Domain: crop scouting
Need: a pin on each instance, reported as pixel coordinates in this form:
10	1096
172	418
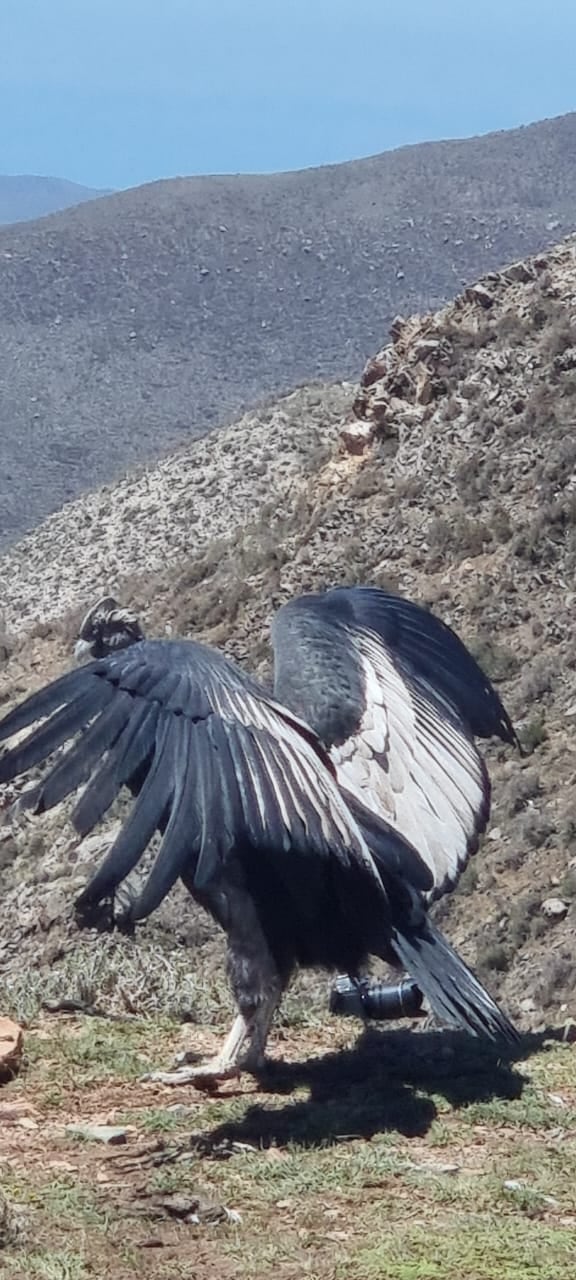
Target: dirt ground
407	1155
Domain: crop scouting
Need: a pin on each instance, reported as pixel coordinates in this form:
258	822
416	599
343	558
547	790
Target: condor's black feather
149	811
181	835
133	747
60	693
63	724
452	990
79	762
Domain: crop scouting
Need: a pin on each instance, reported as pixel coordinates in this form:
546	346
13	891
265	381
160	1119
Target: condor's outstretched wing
216	765
396	698
435	655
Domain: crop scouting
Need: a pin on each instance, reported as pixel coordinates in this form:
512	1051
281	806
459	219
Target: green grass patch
466	1250
63	1264
93	1051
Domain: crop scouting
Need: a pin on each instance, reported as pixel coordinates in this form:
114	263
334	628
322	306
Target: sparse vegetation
492	957
523	787
458	537
497	660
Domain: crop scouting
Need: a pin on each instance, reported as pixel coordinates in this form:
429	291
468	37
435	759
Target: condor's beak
82	650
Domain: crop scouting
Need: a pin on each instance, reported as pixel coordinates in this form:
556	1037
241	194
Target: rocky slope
161	515
450	473
133	323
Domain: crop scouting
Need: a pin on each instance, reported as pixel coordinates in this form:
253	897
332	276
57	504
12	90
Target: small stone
397	327
376	368
11	1044
477	293
12	1112
427	348
113	1135
514	1184
355	437
554	908
424	389
521	272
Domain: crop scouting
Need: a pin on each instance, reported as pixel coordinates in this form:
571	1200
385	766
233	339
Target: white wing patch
298	776
410	765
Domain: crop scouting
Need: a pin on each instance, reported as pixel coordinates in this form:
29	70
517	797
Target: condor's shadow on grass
386	1083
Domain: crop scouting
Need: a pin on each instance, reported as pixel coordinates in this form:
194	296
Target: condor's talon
207	1076
235	1056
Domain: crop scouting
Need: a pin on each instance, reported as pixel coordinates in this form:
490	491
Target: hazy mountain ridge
25	196
134	322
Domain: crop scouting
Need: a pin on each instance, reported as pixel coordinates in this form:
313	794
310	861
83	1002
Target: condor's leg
257	987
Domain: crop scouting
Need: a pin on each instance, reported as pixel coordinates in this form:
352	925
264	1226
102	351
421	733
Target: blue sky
118	92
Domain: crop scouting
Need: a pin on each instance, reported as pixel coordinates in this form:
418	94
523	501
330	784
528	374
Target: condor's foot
205	1075
234	1059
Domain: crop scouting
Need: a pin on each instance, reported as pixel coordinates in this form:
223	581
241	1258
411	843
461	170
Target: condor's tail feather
455	996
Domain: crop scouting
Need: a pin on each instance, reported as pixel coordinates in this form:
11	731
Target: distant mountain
23	196
136	321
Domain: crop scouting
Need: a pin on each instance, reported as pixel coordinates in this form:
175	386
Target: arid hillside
450	473
131	324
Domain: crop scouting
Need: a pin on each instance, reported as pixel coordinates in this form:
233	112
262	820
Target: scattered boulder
11	1046
520	272
565	361
554	908
355	437
477	293
396	328
112	1135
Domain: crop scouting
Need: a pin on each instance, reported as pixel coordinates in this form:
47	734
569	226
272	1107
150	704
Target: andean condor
315	824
